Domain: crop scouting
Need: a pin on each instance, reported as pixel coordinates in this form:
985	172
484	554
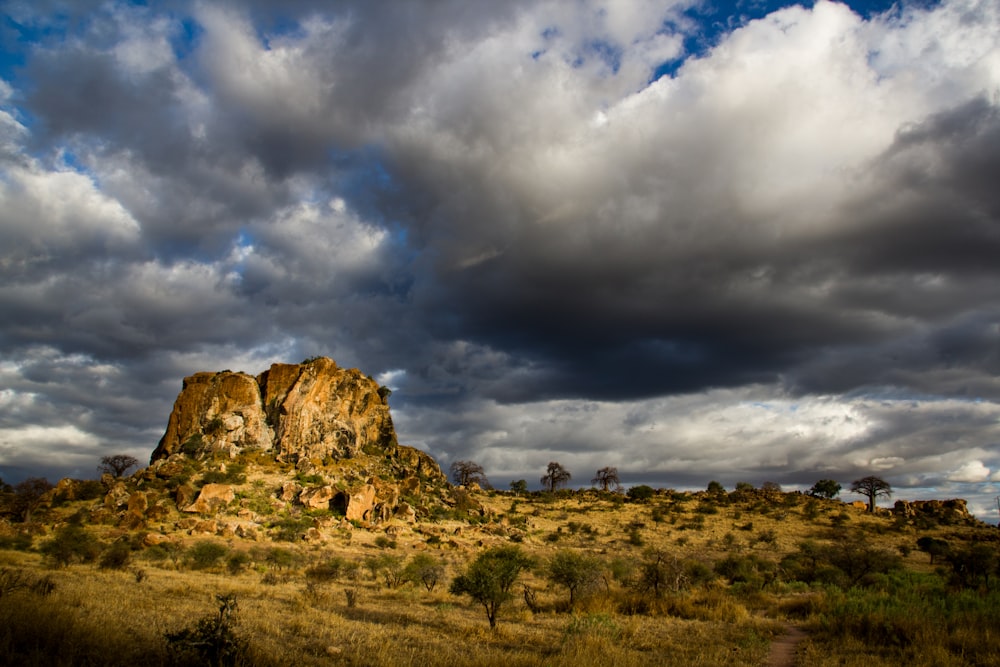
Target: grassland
729	573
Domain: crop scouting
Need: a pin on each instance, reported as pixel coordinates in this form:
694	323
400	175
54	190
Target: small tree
424	569
576	572
29	496
872	487
464	473
117	465
607	478
715	488
825	488
71	544
640	493
519	486
933	547
489	578
555	476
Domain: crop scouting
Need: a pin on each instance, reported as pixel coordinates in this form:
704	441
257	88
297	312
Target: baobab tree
555	476
873	487
607	478
117	465
464	473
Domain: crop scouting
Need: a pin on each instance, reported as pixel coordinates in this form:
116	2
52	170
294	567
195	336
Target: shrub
424	569
489	578
750	570
116	557
578	573
326	571
213	640
237	561
205	554
640	493
71	544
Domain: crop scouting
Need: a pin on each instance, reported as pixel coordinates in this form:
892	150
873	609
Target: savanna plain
593	578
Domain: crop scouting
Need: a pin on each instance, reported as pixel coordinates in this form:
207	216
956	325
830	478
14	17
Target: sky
695	240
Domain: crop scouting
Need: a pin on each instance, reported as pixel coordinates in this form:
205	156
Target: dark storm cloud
500	209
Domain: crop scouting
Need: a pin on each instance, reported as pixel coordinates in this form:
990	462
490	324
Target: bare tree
607	478
464	473
873	487
555	476
117	465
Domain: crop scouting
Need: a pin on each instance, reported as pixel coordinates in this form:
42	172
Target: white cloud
970	472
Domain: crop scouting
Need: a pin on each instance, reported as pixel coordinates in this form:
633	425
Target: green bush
71	544
328	570
205	554
116	557
640	493
424	569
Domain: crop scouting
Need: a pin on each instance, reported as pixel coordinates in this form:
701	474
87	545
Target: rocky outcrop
330	423
216	412
954	511
315	411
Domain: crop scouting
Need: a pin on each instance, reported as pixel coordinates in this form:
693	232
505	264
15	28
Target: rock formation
954	511
332	424
314	411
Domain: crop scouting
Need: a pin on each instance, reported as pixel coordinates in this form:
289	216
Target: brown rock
117	497
154	539
185	495
157	512
138	502
359	505
405	513
247	532
170	467
133	520
212	498
317	497
222	410
320	410
206	527
290	492
66	489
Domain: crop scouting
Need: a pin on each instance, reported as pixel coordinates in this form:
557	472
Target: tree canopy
873	487
825	488
464	473
489	578
607	478
117	464
555	476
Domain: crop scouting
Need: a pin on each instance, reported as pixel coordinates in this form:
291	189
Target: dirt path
783	648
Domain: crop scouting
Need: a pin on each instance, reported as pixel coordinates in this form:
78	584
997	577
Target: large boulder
216	412
310	411
212	498
359	505
321	411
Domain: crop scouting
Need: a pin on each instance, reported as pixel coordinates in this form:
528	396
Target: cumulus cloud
634	234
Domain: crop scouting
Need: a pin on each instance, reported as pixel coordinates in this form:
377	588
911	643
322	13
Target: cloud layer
603	233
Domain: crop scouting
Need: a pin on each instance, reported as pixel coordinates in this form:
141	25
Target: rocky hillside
301	447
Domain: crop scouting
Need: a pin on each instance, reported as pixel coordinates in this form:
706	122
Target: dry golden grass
104	617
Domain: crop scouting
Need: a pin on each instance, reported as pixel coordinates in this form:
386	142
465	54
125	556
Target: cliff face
313	411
